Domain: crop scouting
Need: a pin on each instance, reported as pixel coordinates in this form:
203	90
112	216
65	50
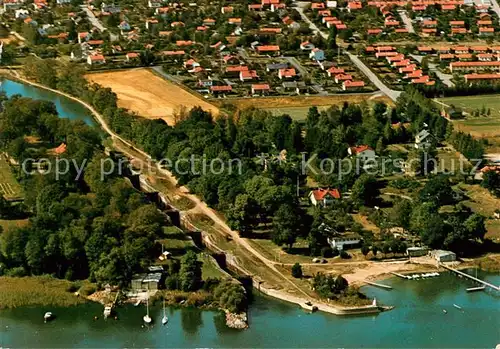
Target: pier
399	275
387	287
460	273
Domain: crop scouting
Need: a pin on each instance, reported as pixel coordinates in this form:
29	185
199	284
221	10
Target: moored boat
47	316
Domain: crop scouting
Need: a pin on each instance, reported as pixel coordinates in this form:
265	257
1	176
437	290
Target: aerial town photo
249	174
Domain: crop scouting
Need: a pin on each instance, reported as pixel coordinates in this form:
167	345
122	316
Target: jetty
475	289
387	287
399	275
461	273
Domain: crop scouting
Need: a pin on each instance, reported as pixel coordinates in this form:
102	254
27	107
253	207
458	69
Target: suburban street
392	94
406	21
96	23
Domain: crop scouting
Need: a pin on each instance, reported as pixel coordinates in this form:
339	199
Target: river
65	106
418	321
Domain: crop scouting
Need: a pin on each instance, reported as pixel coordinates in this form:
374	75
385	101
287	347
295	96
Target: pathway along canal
418	321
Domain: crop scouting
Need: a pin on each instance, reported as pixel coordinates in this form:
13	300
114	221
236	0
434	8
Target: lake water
66	107
418	321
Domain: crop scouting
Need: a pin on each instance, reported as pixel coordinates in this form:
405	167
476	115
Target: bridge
487	284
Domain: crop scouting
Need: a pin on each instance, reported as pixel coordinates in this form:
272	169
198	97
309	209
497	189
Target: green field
296	113
481	126
9	187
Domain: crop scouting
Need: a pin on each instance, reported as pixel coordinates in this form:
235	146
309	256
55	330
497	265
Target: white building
422	140
344	241
363	152
443	256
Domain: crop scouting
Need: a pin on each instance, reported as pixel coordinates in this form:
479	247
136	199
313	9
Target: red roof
60	149
221	88
268	48
236	68
319	194
260	87
360	148
482	76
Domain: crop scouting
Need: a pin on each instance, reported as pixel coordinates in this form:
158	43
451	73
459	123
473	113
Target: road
97	23
392	94
406	21
445	78
496	7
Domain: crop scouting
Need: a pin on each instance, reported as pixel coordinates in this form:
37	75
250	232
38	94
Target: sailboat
164	320
147	319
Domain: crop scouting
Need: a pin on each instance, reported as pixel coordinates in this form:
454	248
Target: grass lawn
8	224
176	241
9	187
210	269
296	113
449	160
482	126
481	201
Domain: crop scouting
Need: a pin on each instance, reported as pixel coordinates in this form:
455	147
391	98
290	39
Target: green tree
365	190
297	271
190	272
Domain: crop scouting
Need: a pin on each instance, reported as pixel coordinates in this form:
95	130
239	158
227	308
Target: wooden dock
461	273
387	287
399	275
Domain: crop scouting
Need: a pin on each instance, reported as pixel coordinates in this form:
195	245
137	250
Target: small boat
457	306
164	320
147	319
137	303
48	316
107	311
444	311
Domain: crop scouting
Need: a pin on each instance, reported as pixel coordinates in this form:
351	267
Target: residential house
324	197
344	241
131	56
423	140
317	54
219	90
96	59
246	75
287	73
362	152
260	89
352	85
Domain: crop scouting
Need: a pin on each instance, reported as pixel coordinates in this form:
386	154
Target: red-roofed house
268	49
287	73
96	59
352	85
363	152
248	75
324	197
260	88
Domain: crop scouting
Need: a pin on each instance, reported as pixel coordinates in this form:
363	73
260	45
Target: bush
172	282
87	290
17	272
335	252
344	255
72	288
210	284
297	271
327	252
231	296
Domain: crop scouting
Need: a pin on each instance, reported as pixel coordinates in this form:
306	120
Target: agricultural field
9	188
481	126
148	95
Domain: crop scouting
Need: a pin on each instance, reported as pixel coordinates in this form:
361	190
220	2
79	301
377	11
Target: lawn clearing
9	188
9	224
296	113
176	241
481	126
148	95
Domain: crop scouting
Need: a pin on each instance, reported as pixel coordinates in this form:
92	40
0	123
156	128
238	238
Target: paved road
496	7
406	21
97	23
445	78
392	94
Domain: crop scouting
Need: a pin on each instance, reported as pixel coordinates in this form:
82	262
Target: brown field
148	95
302	101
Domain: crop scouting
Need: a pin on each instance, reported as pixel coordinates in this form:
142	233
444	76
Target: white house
324	197
363	152
96	59
344	241
317	54
422	140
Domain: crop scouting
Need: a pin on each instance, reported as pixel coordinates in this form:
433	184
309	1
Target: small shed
417	251
443	256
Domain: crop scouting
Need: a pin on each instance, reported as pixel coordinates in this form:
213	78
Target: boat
137	303
457	306
147	319
107	311
164	320
48	316
475	289
444	311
